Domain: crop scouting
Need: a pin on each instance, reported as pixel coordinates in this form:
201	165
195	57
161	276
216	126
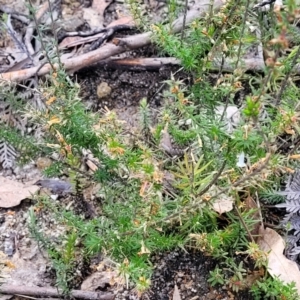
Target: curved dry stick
108	50
145	63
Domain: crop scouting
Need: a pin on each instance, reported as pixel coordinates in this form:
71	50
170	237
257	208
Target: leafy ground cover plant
274	289
162	187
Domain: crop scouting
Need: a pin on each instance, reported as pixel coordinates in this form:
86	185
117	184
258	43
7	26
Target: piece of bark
52	292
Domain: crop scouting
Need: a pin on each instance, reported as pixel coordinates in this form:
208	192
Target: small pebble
103	90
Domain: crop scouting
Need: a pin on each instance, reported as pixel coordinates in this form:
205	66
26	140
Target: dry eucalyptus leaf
223	204
100	5
176	294
92	17
126	20
13	192
278	265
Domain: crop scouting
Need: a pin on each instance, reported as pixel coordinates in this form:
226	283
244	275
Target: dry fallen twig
151	63
52	292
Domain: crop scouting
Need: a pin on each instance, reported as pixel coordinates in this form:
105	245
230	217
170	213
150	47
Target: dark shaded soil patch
190	272
128	87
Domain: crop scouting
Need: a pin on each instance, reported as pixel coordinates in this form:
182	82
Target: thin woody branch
52	292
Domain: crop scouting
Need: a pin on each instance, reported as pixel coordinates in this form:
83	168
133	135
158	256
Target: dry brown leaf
224	204
13	192
92	17
100	5
176	294
66	42
127	20
278	265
